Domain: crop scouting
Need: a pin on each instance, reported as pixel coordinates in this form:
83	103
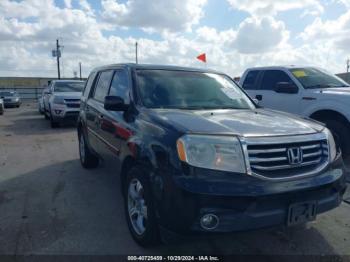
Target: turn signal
181	150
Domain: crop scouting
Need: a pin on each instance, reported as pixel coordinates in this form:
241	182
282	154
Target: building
26	82
27	87
345	77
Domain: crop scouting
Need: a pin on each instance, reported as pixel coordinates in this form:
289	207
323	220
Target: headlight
331	144
212	152
58	100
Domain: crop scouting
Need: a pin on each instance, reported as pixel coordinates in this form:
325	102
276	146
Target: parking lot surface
50	205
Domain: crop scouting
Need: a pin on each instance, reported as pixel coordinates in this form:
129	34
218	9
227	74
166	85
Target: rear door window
272	77
251	80
102	86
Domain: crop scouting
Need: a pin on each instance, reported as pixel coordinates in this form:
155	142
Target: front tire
139	208
87	159
341	133
53	123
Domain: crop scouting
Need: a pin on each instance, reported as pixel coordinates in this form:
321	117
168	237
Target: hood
248	123
332	91
69	95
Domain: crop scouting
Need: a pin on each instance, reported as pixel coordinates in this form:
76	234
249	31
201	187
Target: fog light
58	112
209	221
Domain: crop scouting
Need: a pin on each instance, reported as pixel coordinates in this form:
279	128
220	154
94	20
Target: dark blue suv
195	154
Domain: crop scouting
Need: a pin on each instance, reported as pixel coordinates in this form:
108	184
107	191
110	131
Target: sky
235	34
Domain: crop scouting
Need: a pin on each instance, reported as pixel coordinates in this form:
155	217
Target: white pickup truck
306	91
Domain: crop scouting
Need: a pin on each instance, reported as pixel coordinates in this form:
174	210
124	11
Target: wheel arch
325	114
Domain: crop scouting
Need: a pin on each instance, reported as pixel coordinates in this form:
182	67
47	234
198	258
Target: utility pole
347	65
80	70
136	45
58	54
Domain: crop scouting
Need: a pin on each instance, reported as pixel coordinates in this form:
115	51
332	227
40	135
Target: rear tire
87	159
139	203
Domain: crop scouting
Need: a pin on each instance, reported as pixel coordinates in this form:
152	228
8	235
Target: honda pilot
196	155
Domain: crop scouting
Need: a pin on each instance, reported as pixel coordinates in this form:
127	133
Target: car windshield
190	90
69	86
316	78
7	93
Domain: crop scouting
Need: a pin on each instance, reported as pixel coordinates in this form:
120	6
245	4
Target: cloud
272	7
68	3
156	15
260	35
336	32
28	31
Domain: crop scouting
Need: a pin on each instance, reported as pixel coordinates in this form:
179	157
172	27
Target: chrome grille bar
268	156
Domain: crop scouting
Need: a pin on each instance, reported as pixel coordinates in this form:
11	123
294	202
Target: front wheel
341	133
87	159
139	209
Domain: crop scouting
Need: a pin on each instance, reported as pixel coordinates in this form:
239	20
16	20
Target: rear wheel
87	159
139	208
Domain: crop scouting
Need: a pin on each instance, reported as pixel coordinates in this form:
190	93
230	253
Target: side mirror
256	101
286	88
115	103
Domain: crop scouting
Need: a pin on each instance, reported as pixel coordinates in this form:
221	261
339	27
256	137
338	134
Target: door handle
100	116
259	97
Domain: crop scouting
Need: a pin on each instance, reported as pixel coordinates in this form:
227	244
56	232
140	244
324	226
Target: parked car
195	154
11	98
62	101
41	101
1	106
306	91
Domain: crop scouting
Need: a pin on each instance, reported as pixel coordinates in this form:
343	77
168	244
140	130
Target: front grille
72	103
272	160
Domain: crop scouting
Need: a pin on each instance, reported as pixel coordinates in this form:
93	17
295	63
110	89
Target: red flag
202	57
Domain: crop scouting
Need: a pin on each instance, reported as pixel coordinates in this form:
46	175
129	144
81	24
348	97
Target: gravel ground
50	205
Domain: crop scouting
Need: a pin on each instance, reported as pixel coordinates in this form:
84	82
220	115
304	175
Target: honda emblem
295	155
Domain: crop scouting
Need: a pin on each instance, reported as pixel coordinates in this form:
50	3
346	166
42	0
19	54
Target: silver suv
62	101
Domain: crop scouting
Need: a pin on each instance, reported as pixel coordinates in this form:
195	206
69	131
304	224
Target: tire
341	133
53	123
87	159
147	234
46	115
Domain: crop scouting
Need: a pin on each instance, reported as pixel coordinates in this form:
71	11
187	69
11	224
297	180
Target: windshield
7	93
315	78
189	90
69	86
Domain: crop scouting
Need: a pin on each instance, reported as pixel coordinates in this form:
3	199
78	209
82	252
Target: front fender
329	104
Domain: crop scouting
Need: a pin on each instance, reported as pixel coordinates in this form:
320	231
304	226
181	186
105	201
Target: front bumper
245	203
12	103
62	113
